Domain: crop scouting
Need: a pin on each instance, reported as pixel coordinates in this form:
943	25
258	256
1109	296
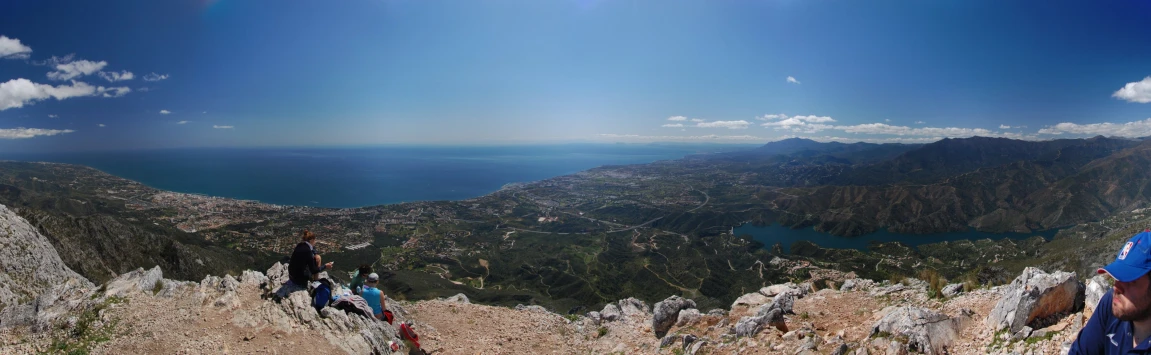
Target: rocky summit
142	312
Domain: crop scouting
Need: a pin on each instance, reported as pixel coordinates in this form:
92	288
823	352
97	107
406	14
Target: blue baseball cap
1133	260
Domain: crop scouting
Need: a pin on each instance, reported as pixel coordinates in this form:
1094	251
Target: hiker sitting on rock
358	281
1121	323
374	296
305	262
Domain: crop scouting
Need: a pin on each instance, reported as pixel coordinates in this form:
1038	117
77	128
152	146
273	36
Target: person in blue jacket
1121	323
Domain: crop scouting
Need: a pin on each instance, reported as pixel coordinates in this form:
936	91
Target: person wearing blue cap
1121	323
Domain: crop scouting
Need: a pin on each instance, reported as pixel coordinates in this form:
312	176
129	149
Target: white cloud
886	129
54	60
113	92
222	127
919	122
165	112
697	120
67	71
677	118
709	137
804	124
1139	91
155	77
1129	129
11	48
101	125
673	125
144	89
114	76
52	116
1003	126
886	120
741	124
182	122
16	93
771	117
791	79
21	132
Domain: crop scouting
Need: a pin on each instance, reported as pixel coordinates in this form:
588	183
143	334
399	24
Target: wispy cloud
697	120
165	112
1129	129
920	122
673	125
70	70
677	118
155	77
222	127
16	93
804	124
21	132
113	92
1003	126
1139	91
52	116
791	79
11	48
740	124
182	122
114	76
709	137
101	125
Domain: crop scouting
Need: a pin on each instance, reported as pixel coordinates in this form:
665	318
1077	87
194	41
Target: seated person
373	295
305	262
358	281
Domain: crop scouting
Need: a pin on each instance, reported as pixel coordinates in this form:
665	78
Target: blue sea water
355	177
769	235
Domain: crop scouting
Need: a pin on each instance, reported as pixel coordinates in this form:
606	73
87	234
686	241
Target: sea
343	177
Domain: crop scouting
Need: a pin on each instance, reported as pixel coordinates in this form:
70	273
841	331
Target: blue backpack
322	295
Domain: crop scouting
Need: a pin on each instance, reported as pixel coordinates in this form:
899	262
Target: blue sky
301	73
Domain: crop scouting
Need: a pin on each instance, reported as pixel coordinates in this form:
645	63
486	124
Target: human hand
328	265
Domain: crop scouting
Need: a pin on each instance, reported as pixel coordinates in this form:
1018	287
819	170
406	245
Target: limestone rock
1096	287
926	331
1035	295
531	308
633	307
952	290
749	301
595	317
29	265
666	313
688	317
458	298
786	301
771	291
856	285
611	313
768	315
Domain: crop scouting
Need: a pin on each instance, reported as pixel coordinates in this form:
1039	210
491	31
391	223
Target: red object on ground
410	335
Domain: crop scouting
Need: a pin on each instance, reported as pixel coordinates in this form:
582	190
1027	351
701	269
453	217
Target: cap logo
1126	249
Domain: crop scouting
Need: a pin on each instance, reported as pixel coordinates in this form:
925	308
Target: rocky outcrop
952	290
856	285
688	317
666	313
1096	287
458	298
29	265
925	330
1033	298
749	301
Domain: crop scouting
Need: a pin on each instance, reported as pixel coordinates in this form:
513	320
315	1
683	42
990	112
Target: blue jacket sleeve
1091	339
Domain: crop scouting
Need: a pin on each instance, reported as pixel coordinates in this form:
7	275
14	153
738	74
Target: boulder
688	317
926	331
771	291
458	298
138	280
716	312
1096	287
666	313
633	307
768	315
952	290
595	317
696	346
786	301
749	301
856	285
1035	295
611	313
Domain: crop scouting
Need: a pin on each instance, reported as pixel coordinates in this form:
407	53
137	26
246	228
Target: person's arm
1091	339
